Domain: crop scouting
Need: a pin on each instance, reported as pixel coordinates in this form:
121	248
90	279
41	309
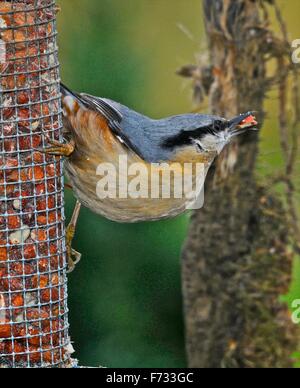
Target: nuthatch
100	130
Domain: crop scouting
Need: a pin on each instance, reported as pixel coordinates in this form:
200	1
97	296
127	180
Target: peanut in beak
248	122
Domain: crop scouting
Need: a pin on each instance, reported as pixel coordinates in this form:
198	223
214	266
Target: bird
102	135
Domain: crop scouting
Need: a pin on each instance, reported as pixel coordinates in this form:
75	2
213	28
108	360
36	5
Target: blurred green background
125	296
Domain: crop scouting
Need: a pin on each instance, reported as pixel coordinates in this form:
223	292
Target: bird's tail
65	91
71	101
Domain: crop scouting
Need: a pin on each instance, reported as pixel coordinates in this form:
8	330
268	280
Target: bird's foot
73	256
57	148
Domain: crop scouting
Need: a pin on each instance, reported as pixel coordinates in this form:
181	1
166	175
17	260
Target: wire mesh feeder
33	292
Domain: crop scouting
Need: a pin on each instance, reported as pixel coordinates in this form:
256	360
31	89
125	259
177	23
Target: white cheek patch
213	142
208	142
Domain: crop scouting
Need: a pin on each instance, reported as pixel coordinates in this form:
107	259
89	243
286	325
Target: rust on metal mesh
33	293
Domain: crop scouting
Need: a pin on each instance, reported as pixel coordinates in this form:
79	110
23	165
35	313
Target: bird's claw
57	148
74	258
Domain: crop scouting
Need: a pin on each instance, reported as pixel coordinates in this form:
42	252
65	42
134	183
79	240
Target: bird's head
215	137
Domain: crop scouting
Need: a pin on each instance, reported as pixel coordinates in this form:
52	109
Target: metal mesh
33	293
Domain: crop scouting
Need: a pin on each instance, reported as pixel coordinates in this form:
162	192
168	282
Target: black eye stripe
188	137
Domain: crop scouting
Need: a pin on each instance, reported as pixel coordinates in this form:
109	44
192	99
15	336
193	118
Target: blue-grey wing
113	116
145	136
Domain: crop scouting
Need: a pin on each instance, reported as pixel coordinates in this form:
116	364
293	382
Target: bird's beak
243	123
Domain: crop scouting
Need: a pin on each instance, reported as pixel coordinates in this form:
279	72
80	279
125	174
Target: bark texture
235	261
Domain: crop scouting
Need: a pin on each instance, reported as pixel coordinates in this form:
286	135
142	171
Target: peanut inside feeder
33	309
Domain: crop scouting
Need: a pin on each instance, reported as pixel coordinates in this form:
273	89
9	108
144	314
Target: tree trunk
235	261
